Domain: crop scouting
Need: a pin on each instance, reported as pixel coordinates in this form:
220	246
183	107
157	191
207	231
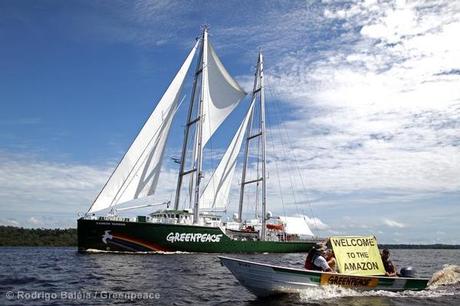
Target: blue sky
363	100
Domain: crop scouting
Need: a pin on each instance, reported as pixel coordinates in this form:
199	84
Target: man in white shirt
315	259
321	262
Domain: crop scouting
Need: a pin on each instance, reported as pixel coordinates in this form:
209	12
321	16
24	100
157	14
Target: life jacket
310	261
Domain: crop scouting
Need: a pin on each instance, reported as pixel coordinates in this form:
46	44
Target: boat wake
335	292
95	251
445	282
449	275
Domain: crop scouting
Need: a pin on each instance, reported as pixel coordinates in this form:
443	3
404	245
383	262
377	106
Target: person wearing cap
315	259
390	269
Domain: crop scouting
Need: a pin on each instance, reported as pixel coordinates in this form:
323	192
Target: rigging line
284	146
276	164
296	161
295	165
257	198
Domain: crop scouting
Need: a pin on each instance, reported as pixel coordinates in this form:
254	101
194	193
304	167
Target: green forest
18	236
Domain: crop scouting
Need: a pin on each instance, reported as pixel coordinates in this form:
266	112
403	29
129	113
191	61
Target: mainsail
215	194
221	94
137	174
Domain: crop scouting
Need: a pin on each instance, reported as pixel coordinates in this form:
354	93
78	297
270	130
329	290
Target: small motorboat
265	279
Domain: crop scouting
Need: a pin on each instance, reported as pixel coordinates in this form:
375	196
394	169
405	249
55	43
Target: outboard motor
407	272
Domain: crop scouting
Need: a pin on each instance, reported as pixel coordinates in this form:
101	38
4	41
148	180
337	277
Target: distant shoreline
420	246
19	236
34	237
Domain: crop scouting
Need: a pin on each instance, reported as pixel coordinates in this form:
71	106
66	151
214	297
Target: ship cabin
184	217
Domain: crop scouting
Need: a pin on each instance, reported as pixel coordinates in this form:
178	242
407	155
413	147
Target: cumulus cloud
375	111
371	106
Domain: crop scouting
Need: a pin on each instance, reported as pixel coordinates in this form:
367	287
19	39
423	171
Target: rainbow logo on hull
126	243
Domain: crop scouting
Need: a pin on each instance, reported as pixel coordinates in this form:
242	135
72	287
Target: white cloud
379	110
30	184
9	222
34	221
52	194
393	223
315	223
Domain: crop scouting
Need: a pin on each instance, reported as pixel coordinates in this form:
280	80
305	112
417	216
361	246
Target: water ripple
191	279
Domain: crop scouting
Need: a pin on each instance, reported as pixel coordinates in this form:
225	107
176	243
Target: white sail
215	194
221	94
296	226
137	174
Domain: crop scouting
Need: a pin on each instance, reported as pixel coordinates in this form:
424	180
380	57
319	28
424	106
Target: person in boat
330	258
390	269
316	259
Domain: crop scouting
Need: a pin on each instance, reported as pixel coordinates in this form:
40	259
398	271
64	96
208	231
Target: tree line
19	236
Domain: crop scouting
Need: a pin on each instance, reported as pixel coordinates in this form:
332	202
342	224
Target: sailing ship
197	227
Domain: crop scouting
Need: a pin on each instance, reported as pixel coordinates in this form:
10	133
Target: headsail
215	194
221	95
136	176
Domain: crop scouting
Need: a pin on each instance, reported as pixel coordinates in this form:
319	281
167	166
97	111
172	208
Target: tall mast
258	89
189	123
199	149
262	128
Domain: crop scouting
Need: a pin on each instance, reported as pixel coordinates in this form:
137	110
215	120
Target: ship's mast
198	147
258	90
262	128
200	70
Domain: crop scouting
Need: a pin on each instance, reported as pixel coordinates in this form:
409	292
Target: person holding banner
330	258
390	269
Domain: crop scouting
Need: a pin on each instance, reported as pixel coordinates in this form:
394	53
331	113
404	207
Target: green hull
156	237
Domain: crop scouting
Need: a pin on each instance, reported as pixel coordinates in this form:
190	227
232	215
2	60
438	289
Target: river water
61	276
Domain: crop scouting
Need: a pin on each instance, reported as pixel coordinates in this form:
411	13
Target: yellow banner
357	255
